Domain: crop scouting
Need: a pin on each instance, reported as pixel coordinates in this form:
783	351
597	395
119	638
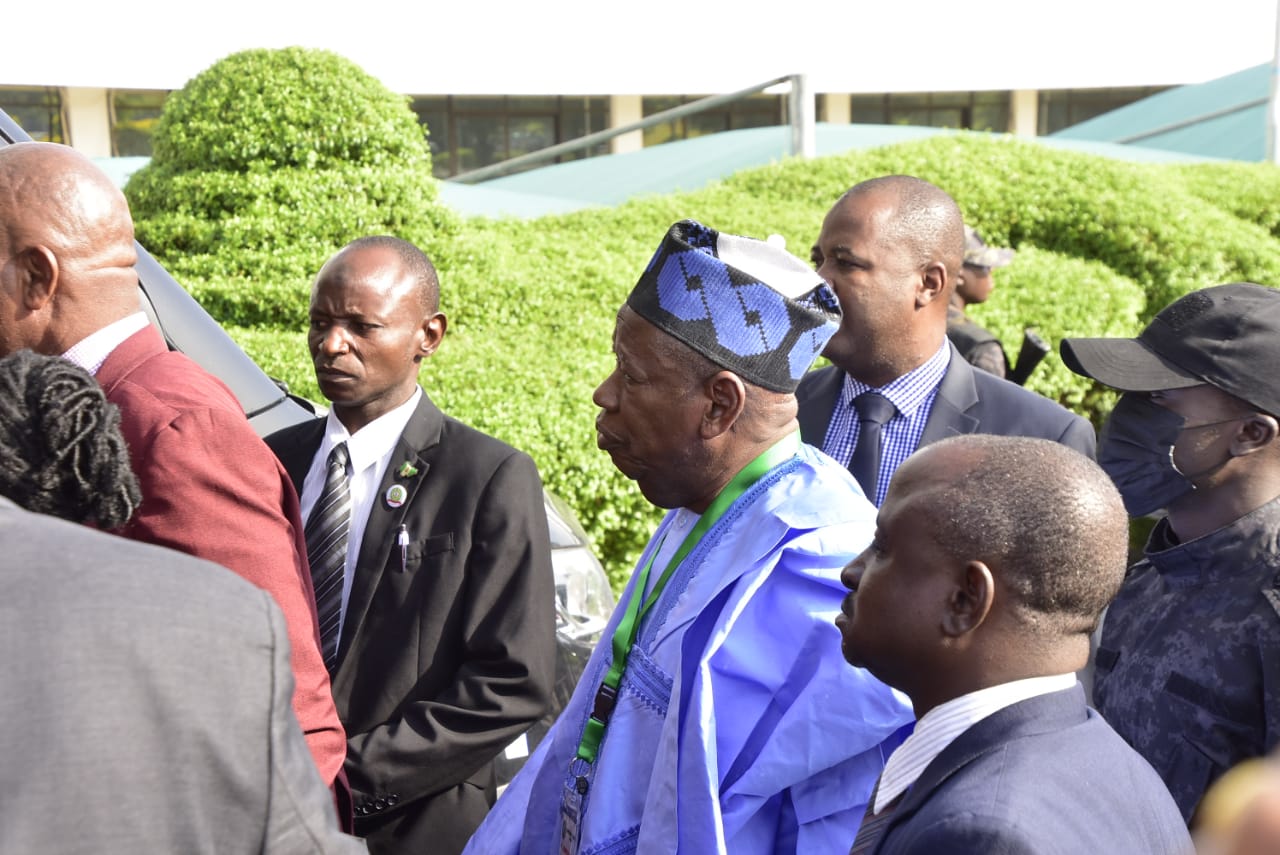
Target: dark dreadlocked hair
61	451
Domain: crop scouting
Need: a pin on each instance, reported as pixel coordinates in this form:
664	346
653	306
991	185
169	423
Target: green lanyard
624	637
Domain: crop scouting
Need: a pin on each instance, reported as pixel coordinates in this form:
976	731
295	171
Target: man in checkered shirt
892	248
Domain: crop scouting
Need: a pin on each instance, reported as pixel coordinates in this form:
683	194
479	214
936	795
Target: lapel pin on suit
398	494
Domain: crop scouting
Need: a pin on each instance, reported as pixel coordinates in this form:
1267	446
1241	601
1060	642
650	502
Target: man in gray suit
892	247
145	694
146	701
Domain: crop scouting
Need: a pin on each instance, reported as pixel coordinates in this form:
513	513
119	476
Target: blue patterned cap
746	305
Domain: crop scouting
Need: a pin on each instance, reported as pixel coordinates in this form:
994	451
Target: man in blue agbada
717	714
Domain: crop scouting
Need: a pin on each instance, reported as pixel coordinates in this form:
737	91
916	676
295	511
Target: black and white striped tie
326	534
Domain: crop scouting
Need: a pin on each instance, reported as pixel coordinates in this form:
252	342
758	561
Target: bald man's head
66	249
891	249
926	224
1045	518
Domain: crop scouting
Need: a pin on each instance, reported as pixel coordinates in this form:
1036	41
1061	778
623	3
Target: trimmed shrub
1031	294
1102	245
1249	191
268	162
290	108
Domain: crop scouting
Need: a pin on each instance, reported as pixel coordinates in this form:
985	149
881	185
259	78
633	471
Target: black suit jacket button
380	804
392	800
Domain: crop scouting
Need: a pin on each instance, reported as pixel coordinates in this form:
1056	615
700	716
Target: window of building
1062	108
978	111
38	109
134	114
467	133
754	111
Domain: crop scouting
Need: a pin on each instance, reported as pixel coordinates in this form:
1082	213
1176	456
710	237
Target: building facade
468	132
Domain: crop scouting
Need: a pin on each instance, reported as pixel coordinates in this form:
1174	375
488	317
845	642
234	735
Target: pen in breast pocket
402	538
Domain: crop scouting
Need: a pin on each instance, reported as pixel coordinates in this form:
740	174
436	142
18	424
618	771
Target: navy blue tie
872	827
874	410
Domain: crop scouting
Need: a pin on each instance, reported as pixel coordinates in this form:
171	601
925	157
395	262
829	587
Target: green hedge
1057	295
287	108
267	163
283	224
1102	245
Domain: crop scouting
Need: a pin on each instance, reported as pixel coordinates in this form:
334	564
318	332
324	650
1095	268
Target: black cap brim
1124	364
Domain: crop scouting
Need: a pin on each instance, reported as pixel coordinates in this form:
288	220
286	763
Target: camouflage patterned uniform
1188	669
978	346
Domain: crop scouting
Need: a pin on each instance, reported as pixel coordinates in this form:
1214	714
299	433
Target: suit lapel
1041	714
419	438
815	410
956	394
296	454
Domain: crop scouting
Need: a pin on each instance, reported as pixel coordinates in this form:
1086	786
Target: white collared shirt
370	450
942	724
91	351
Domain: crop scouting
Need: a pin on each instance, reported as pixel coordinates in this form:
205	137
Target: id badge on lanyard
571	806
573	802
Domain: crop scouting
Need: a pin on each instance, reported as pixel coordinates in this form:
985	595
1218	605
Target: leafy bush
1030	294
1250	191
1102	245
268	162
291	108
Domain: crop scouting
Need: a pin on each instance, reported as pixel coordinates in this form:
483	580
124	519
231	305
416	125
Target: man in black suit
992	562
438	619
891	248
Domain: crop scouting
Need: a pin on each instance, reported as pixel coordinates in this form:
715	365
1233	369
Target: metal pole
1273	110
803	117
554	151
1197	119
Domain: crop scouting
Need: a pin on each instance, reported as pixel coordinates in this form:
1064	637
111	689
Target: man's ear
433	329
726	399
933	284
38	276
1257	432
970	600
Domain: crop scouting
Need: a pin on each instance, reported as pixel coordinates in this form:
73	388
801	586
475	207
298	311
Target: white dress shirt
942	724
91	351
370	450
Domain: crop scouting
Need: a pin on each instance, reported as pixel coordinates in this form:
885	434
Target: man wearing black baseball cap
1188	666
